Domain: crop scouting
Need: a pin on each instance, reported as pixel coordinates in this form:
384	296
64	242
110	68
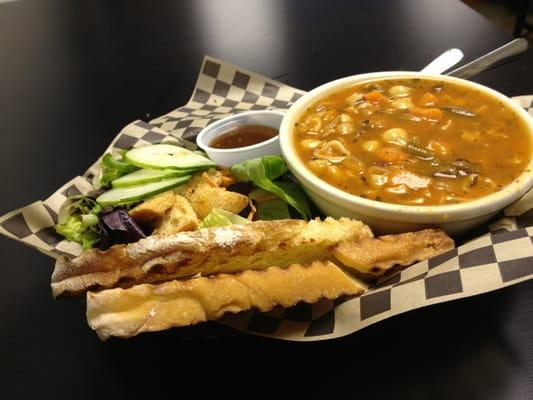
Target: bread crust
375	256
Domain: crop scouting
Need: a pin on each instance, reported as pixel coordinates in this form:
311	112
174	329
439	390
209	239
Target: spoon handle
443	62
513	48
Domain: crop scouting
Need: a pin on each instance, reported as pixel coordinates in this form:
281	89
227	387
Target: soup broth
413	142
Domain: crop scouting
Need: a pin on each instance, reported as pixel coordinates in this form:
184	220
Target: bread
230	249
375	256
143	308
154	209
181	209
205	191
180	218
206	197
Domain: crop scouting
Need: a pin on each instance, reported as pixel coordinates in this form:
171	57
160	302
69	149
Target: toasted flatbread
375	256
257	245
144	308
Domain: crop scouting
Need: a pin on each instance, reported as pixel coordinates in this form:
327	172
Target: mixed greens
102	219
78	221
116	226
262	172
124	181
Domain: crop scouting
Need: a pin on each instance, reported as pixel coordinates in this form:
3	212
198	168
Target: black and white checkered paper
501	257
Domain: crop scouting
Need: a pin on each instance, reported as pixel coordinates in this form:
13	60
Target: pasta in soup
413	142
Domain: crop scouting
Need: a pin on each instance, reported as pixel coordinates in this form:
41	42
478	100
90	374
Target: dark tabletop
72	73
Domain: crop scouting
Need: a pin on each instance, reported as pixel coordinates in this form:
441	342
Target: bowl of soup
403	150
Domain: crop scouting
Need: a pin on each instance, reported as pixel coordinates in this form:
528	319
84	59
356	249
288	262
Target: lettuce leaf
75	230
262	172
112	168
78	221
220	217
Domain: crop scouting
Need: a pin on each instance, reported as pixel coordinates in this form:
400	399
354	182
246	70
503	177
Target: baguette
230	249
143	308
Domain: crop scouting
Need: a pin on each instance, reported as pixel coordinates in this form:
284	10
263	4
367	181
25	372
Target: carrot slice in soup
391	155
375	97
433	114
428	99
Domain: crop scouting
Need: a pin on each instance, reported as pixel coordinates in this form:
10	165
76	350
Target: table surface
73	73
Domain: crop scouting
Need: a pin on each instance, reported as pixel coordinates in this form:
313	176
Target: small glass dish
229	157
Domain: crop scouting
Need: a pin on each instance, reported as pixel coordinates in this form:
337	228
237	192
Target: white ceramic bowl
228	157
386	217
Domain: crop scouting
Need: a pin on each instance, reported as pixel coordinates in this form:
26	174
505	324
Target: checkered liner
221	90
499	258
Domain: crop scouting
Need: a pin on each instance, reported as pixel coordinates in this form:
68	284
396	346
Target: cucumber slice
166	156
143	176
126	195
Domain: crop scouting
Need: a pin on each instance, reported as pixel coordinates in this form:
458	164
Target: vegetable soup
413	142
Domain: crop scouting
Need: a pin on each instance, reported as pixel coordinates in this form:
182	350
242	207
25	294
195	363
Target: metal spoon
443	62
513	48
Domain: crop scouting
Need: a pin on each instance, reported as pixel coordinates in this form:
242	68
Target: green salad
133	176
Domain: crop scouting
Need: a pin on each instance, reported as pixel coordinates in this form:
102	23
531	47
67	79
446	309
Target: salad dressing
243	136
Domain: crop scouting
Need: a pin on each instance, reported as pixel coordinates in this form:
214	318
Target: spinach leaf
268	167
269	206
262	172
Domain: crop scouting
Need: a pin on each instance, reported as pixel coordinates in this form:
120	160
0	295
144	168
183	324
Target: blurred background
514	16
